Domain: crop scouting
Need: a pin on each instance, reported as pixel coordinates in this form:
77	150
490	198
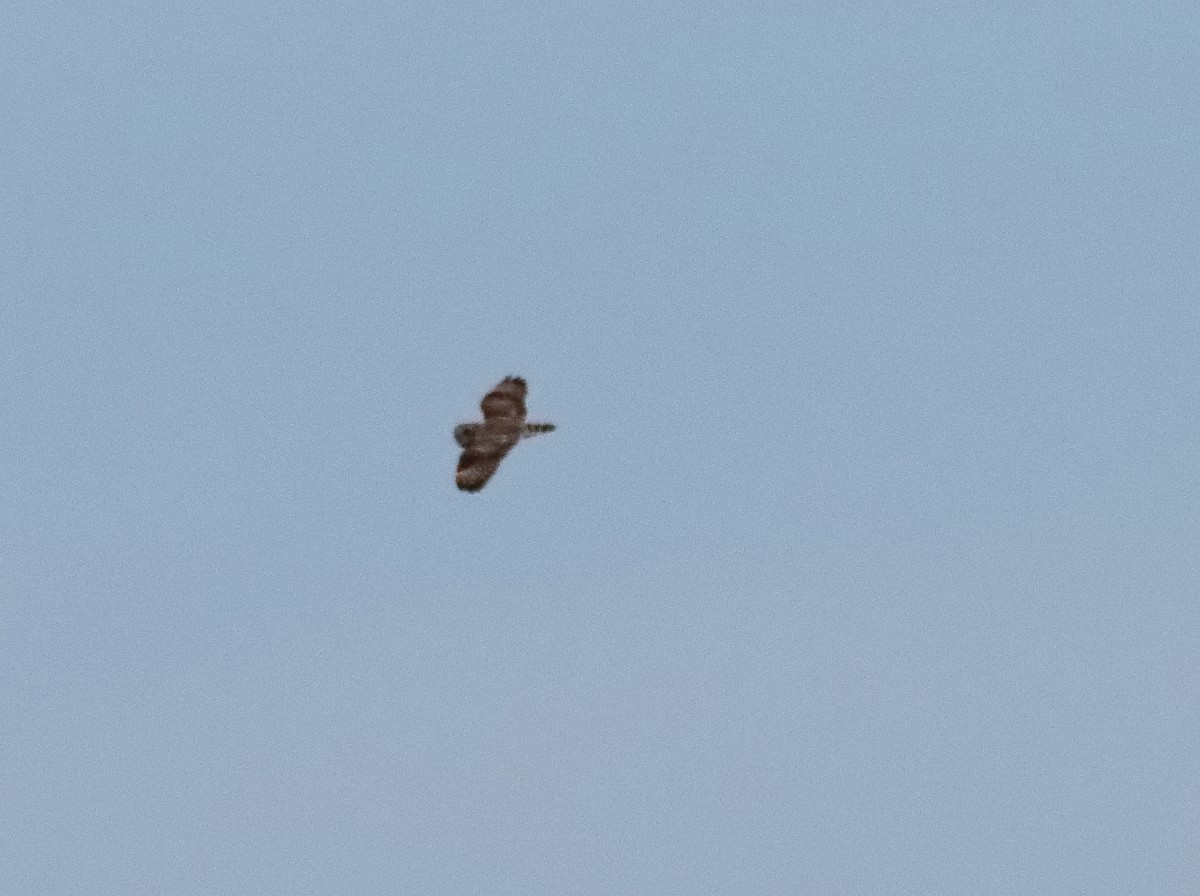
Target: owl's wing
477	464
506	401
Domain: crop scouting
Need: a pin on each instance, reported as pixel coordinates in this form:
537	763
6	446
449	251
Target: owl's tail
532	429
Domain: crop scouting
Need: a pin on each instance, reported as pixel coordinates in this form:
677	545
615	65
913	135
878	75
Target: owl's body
467	433
485	444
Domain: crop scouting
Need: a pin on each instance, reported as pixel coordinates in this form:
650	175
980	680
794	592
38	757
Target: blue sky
864	559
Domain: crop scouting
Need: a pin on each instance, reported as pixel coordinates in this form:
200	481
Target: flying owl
485	444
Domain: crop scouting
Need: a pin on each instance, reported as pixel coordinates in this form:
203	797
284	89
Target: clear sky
865	559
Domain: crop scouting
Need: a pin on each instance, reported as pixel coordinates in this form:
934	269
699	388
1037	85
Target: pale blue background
865	559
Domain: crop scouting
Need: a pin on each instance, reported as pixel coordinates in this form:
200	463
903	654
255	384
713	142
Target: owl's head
464	433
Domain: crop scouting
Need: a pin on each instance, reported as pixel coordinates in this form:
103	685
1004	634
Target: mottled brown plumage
485	444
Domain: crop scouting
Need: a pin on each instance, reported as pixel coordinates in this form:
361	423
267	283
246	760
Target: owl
485	444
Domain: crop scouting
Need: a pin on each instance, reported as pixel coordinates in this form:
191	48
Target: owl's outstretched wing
477	464
506	401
